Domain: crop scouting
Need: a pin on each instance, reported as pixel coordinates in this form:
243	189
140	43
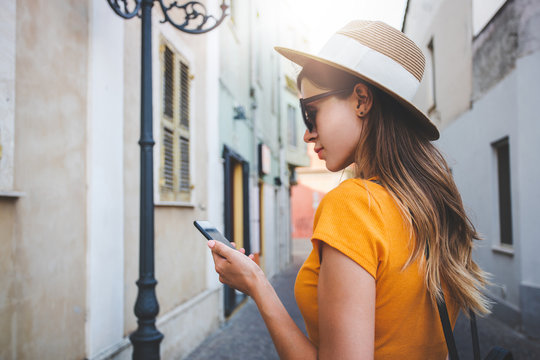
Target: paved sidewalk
492	332
244	336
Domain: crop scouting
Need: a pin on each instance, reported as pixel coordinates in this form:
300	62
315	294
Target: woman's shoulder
357	190
355	199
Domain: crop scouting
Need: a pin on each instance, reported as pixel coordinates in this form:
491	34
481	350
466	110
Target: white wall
467	144
270	233
214	162
105	212
528	169
483	11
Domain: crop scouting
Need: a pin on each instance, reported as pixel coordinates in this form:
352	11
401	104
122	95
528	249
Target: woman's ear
364	99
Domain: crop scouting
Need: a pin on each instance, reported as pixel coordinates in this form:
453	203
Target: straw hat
379	54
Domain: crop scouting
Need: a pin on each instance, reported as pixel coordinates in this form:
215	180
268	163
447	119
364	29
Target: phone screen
211	233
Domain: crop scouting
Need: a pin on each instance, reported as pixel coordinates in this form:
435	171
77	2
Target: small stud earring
361	113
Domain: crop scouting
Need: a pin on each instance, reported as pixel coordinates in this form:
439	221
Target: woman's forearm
289	340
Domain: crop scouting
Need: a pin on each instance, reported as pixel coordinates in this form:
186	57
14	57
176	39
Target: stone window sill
503	249
174	204
11	194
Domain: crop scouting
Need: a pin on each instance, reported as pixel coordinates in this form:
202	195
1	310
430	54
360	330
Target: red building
303	205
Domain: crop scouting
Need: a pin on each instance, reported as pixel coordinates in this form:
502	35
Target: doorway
236	212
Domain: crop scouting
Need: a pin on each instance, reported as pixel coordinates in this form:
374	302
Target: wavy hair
417	176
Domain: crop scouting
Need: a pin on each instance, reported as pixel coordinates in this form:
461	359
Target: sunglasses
310	120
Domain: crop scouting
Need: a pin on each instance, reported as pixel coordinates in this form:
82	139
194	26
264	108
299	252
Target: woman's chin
334	167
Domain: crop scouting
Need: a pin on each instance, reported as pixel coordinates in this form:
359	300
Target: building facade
481	88
69	176
260	137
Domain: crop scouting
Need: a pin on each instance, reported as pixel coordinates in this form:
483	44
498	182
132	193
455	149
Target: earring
361	113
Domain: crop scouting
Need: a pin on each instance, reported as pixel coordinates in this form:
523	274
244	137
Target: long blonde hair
418	178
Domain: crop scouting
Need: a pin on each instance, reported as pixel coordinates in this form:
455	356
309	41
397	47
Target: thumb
219	248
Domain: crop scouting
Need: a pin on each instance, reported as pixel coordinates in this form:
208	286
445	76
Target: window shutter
168	160
175	172
184	165
184	95
168	85
291	121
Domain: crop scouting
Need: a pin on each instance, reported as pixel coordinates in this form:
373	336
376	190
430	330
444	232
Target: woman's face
337	127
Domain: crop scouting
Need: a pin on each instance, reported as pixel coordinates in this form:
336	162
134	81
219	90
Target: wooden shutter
184	95
184	165
184	173
168	82
175	177
168	160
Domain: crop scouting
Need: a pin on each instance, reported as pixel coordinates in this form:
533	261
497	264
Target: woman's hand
240	272
235	268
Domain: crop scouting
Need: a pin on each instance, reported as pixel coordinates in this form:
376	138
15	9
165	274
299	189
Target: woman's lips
319	152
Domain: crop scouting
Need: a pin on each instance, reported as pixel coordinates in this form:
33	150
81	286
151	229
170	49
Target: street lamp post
147	338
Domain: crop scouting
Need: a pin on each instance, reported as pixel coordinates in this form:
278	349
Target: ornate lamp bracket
194	14
126	8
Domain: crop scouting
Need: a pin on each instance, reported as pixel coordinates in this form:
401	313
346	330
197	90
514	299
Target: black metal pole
146	339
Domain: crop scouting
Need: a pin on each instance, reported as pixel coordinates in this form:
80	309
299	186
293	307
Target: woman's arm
289	340
238	271
346	305
346	308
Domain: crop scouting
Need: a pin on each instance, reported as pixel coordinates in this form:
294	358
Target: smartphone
211	233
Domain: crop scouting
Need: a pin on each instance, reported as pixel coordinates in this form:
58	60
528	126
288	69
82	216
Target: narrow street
244	336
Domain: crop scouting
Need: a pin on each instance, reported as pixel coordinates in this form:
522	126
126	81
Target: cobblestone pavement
244	336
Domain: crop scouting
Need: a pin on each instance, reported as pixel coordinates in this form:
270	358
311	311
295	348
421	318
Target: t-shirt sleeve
350	220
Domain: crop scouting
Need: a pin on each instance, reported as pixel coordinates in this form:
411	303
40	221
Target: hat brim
421	120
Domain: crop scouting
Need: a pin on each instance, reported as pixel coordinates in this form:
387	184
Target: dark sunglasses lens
305	116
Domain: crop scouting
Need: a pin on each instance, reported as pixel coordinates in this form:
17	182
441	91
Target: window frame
501	246
292	126
175	196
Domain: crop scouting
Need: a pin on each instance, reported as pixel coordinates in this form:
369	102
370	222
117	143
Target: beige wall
132	89
44	254
47	263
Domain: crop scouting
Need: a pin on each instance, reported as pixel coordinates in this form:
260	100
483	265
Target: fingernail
211	243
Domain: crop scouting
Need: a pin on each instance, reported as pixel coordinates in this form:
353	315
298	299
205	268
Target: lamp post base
146	343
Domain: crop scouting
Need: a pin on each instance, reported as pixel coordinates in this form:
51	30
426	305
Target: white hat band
380	68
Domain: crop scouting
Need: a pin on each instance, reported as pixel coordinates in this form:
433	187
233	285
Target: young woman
387	243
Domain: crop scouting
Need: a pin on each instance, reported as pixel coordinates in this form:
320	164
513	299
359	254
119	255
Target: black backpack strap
447	329
449	336
474	335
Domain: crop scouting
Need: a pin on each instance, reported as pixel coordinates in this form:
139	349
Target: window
291	124
175	172
502	151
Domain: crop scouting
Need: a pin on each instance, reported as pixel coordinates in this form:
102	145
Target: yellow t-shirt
360	219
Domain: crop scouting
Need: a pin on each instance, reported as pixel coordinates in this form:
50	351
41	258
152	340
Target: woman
394	237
